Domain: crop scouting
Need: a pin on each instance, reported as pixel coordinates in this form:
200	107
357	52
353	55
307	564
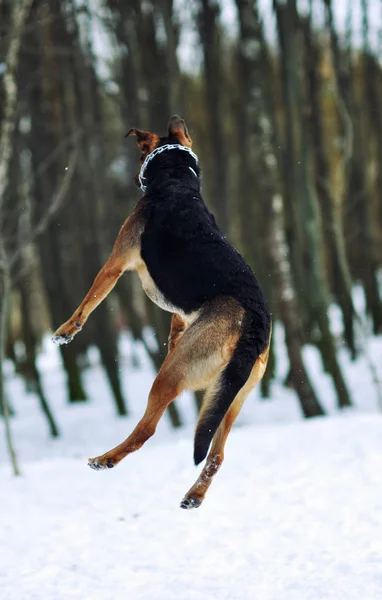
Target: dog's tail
252	342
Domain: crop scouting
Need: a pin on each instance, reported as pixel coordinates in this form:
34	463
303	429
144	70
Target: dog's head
177	134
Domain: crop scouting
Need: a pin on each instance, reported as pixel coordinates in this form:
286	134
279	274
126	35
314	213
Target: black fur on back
191	262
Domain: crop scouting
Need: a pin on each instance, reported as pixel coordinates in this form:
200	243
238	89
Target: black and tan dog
220	331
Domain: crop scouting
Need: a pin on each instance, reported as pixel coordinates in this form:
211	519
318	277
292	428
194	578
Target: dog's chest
152	290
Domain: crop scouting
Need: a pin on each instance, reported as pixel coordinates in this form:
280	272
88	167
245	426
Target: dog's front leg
124	257
103	284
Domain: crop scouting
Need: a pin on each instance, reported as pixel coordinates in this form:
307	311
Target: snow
294	514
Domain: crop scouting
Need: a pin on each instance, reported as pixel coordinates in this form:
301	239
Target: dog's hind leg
197	492
199	357
178	327
164	390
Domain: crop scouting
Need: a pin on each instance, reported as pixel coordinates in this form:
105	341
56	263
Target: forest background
283	101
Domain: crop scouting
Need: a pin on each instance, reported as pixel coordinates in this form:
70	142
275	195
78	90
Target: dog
221	325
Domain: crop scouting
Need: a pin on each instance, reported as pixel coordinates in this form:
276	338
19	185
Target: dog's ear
146	141
178	127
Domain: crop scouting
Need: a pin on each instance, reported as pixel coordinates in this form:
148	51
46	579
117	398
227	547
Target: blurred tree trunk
267	175
30	357
5	20
292	188
172	71
8	124
140	77
359	200
20	259
331	218
5	287
158	87
317	295
93	188
46	138
252	238
210	37
372	99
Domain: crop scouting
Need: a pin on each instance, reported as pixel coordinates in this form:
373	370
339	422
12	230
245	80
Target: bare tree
357	188
14	262
267	175
19	16
330	204
210	37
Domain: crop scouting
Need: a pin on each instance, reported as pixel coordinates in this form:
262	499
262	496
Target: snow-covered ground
294	514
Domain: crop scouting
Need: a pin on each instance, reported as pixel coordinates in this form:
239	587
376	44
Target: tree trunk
30	358
331	218
92	188
46	134
292	192
252	238
139	72
4	298
267	175
8	123
213	76
172	72
358	196
317	295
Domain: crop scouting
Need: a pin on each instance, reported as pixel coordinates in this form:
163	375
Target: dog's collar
157	151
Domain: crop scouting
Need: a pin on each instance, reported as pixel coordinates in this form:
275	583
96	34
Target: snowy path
295	514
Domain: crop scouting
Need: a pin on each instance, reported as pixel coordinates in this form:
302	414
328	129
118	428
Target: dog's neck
194	169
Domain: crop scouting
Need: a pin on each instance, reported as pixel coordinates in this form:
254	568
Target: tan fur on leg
200	355
178	327
197	492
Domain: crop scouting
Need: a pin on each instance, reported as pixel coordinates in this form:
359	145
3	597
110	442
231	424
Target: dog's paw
66	333
100	463
190	502
62	339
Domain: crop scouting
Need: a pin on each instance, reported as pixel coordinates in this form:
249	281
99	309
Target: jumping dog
221	326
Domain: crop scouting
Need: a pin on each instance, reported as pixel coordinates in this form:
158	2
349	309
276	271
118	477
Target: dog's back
187	255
